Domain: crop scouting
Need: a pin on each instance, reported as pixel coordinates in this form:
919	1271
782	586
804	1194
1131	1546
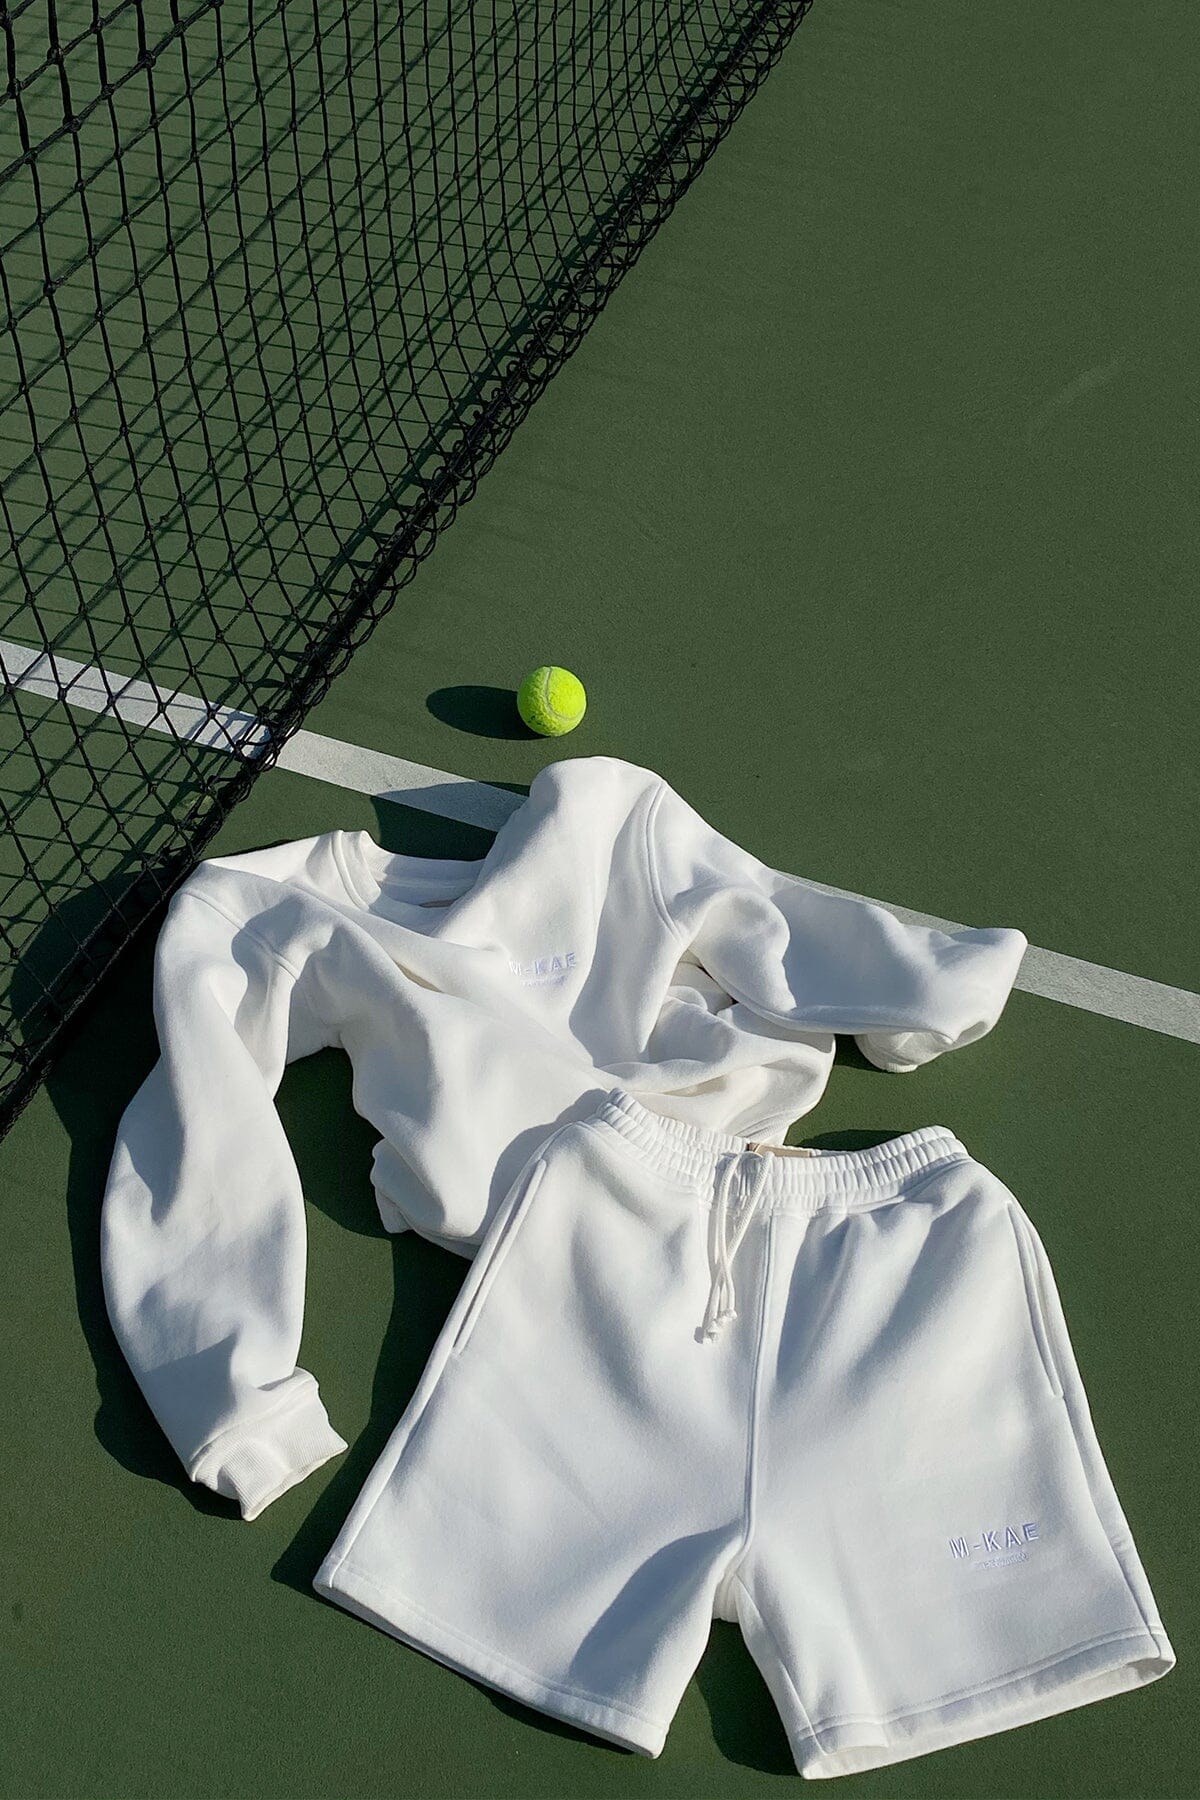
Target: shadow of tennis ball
483	711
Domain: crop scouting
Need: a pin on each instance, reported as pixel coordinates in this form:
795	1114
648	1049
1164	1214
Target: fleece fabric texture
828	1395
609	936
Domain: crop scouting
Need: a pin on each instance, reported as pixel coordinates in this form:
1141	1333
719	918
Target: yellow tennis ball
551	701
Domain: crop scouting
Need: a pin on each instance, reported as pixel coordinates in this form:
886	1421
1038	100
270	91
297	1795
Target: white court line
1113	994
137	702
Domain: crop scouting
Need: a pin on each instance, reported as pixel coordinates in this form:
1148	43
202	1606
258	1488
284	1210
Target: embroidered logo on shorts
996	1549
545	971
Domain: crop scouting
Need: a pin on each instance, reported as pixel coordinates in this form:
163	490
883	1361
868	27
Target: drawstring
720	1295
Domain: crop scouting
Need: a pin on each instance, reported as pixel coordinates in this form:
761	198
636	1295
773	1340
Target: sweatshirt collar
415	889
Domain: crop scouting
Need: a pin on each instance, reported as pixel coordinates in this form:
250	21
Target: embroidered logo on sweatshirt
996	1549
545	971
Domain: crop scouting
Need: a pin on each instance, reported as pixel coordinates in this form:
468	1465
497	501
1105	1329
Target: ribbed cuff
257	1466
874	1053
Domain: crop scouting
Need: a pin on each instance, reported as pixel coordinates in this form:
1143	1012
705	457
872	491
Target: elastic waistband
806	1183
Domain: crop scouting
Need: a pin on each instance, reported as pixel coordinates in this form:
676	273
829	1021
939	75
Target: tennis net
277	283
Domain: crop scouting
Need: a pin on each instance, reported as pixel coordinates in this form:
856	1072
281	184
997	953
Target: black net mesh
276	284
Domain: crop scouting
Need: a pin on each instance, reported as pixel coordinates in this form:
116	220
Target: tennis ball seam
535	700
544	696
547	683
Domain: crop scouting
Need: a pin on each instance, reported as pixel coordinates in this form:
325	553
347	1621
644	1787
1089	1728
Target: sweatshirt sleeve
802	957
203	1240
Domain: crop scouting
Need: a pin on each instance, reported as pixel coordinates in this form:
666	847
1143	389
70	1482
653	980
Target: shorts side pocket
1032	1277
499	1250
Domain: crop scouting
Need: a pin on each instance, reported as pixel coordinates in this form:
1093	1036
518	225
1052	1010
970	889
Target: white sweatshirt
609	937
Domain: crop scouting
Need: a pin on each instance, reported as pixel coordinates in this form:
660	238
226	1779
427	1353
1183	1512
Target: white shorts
829	1395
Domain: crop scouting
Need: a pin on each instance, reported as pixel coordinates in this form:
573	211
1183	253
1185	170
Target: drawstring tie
720	1306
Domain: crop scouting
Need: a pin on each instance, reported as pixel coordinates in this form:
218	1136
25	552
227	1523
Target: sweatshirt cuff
257	1466
874	1051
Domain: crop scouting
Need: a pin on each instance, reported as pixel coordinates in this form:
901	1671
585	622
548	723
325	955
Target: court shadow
846	1140
489	712
561	1728
848	1056
746	1727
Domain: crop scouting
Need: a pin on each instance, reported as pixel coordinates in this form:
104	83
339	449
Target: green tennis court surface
866	514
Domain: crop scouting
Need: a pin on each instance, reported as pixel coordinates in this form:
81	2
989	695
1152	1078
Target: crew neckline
372	876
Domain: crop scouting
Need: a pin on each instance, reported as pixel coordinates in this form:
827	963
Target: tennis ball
551	701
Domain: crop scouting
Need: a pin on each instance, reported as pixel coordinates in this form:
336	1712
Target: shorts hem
408	1621
1109	1665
